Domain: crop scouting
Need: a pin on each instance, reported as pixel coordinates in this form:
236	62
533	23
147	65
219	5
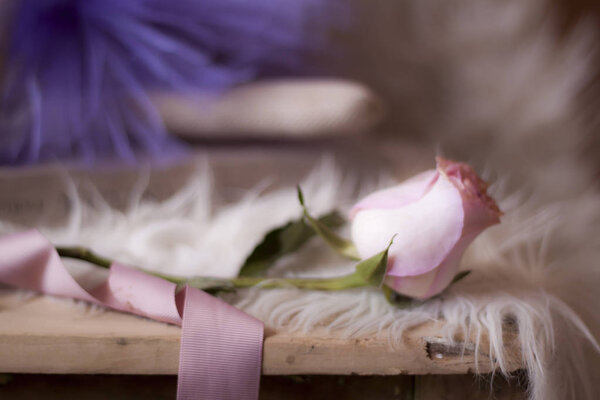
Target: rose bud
435	215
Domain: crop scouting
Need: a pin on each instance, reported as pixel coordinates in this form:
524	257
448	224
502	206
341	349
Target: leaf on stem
373	269
283	240
343	246
460	276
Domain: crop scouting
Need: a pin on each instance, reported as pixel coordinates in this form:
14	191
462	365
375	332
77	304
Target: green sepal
343	246
283	240
396	299
373	269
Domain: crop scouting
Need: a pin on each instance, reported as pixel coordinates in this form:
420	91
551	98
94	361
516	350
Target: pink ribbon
221	347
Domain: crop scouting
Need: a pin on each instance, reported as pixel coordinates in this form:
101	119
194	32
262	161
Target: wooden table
45	335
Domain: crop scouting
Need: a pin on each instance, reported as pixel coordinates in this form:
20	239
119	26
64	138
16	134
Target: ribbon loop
221	346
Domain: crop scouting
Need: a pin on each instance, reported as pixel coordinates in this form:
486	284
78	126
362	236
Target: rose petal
416	287
426	231
481	210
403	194
448	269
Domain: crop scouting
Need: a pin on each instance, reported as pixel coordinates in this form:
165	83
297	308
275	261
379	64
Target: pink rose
435	215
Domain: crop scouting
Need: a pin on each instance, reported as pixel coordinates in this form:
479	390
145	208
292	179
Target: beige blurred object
275	109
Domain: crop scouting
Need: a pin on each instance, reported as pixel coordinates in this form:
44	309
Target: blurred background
104	83
265	91
381	86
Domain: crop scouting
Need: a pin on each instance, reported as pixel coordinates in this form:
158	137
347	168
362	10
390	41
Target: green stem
338	283
353	280
82	253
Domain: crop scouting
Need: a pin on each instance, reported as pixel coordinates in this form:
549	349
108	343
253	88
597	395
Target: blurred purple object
78	73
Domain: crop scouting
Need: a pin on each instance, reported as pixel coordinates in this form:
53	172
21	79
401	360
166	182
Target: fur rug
487	82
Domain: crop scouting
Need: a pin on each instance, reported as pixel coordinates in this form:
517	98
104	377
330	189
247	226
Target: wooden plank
314	387
468	387
48	335
143	387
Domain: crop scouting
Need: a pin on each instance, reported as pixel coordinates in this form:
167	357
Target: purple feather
79	72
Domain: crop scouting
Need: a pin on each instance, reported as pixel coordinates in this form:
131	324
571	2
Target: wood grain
49	335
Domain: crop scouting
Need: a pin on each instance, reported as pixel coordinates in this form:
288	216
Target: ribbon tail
229	341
